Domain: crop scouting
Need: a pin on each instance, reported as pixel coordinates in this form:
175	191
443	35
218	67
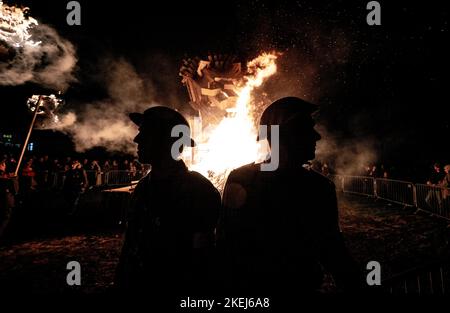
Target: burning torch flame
15	26
233	142
47	105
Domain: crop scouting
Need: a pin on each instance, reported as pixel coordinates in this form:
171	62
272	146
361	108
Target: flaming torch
40	105
15	25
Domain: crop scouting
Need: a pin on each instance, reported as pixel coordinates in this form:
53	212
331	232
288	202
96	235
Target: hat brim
136	118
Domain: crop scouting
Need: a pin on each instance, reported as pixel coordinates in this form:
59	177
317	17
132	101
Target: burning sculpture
223	95
212	85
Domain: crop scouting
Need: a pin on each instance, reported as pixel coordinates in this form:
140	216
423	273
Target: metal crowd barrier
118	178
433	199
95	178
431	279
396	191
359	185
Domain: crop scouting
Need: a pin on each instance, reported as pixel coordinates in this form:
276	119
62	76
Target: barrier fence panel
56	180
96	178
359	185
433	199
118	178
428	280
395	191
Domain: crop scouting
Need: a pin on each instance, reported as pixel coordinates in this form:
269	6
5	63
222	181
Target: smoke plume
106	123
49	64
349	156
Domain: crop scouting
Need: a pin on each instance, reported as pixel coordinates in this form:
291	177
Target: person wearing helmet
170	229
279	229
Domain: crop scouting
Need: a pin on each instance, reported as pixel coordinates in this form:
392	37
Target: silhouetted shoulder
319	180
204	201
244	172
200	183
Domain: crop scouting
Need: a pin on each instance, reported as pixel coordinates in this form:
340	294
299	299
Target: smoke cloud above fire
33	52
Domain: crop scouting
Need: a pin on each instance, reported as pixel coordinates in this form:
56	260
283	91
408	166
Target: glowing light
47	104
47	107
232	143
15	26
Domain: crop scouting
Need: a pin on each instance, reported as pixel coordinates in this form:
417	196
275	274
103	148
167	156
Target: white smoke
65	121
106	123
50	63
347	156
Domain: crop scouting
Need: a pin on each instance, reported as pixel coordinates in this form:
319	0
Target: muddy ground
35	251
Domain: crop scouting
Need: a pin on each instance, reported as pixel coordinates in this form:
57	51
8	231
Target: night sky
387	84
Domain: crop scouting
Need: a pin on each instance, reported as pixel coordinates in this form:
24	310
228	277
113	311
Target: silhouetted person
170	231
433	198
3	173
436	175
93	173
74	185
39	169
7	192
279	228
27	181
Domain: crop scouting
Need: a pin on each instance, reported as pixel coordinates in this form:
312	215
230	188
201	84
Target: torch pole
36	110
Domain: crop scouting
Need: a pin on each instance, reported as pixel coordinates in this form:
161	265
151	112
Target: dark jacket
277	229
167	214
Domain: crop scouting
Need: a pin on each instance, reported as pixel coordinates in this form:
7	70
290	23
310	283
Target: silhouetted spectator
3	172
106	166
39	169
433	197
68	161
384	172
74	184
11	165
27	177
279	228
446	185
374	172
8	190
325	170
93	171
170	231
436	175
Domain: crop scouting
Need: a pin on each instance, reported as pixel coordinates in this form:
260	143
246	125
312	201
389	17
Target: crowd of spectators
38	172
43	172
437	175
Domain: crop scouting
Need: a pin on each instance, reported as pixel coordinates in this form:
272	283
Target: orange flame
15	26
232	143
